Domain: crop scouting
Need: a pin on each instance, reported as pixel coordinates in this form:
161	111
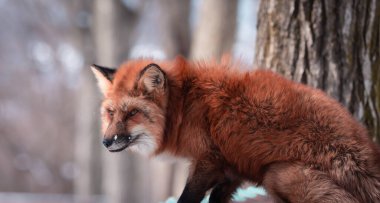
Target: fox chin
234	126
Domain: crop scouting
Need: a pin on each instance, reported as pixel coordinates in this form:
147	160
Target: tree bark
333	45
215	30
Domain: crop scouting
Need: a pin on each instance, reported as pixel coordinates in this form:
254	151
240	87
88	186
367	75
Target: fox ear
104	76
152	78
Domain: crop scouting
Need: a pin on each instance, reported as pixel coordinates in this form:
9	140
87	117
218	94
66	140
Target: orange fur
254	126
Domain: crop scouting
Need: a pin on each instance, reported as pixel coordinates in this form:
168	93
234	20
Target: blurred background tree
49	103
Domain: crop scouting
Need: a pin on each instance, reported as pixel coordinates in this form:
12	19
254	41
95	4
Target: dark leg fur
205	175
191	194
292	182
222	192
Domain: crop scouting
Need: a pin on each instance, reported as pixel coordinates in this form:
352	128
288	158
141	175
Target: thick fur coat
234	126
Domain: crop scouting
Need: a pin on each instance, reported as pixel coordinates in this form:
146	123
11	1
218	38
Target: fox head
134	106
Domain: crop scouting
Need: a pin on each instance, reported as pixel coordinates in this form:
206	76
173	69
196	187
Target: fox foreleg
204	175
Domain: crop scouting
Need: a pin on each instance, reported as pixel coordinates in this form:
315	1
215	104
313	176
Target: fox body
257	126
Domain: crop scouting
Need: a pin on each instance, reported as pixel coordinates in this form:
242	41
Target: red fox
257	126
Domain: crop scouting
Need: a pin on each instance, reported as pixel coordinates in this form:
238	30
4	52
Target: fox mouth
121	142
119	149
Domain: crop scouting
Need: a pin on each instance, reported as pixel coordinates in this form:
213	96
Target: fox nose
107	142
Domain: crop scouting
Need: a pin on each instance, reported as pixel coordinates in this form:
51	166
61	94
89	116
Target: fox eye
133	112
110	112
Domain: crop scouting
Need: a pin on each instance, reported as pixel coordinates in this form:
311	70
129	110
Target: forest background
50	143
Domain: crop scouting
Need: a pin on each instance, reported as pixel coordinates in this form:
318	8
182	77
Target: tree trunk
333	45
87	151
215	30
163	30
113	23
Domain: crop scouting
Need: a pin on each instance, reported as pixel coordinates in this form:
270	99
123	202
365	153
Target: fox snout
117	142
